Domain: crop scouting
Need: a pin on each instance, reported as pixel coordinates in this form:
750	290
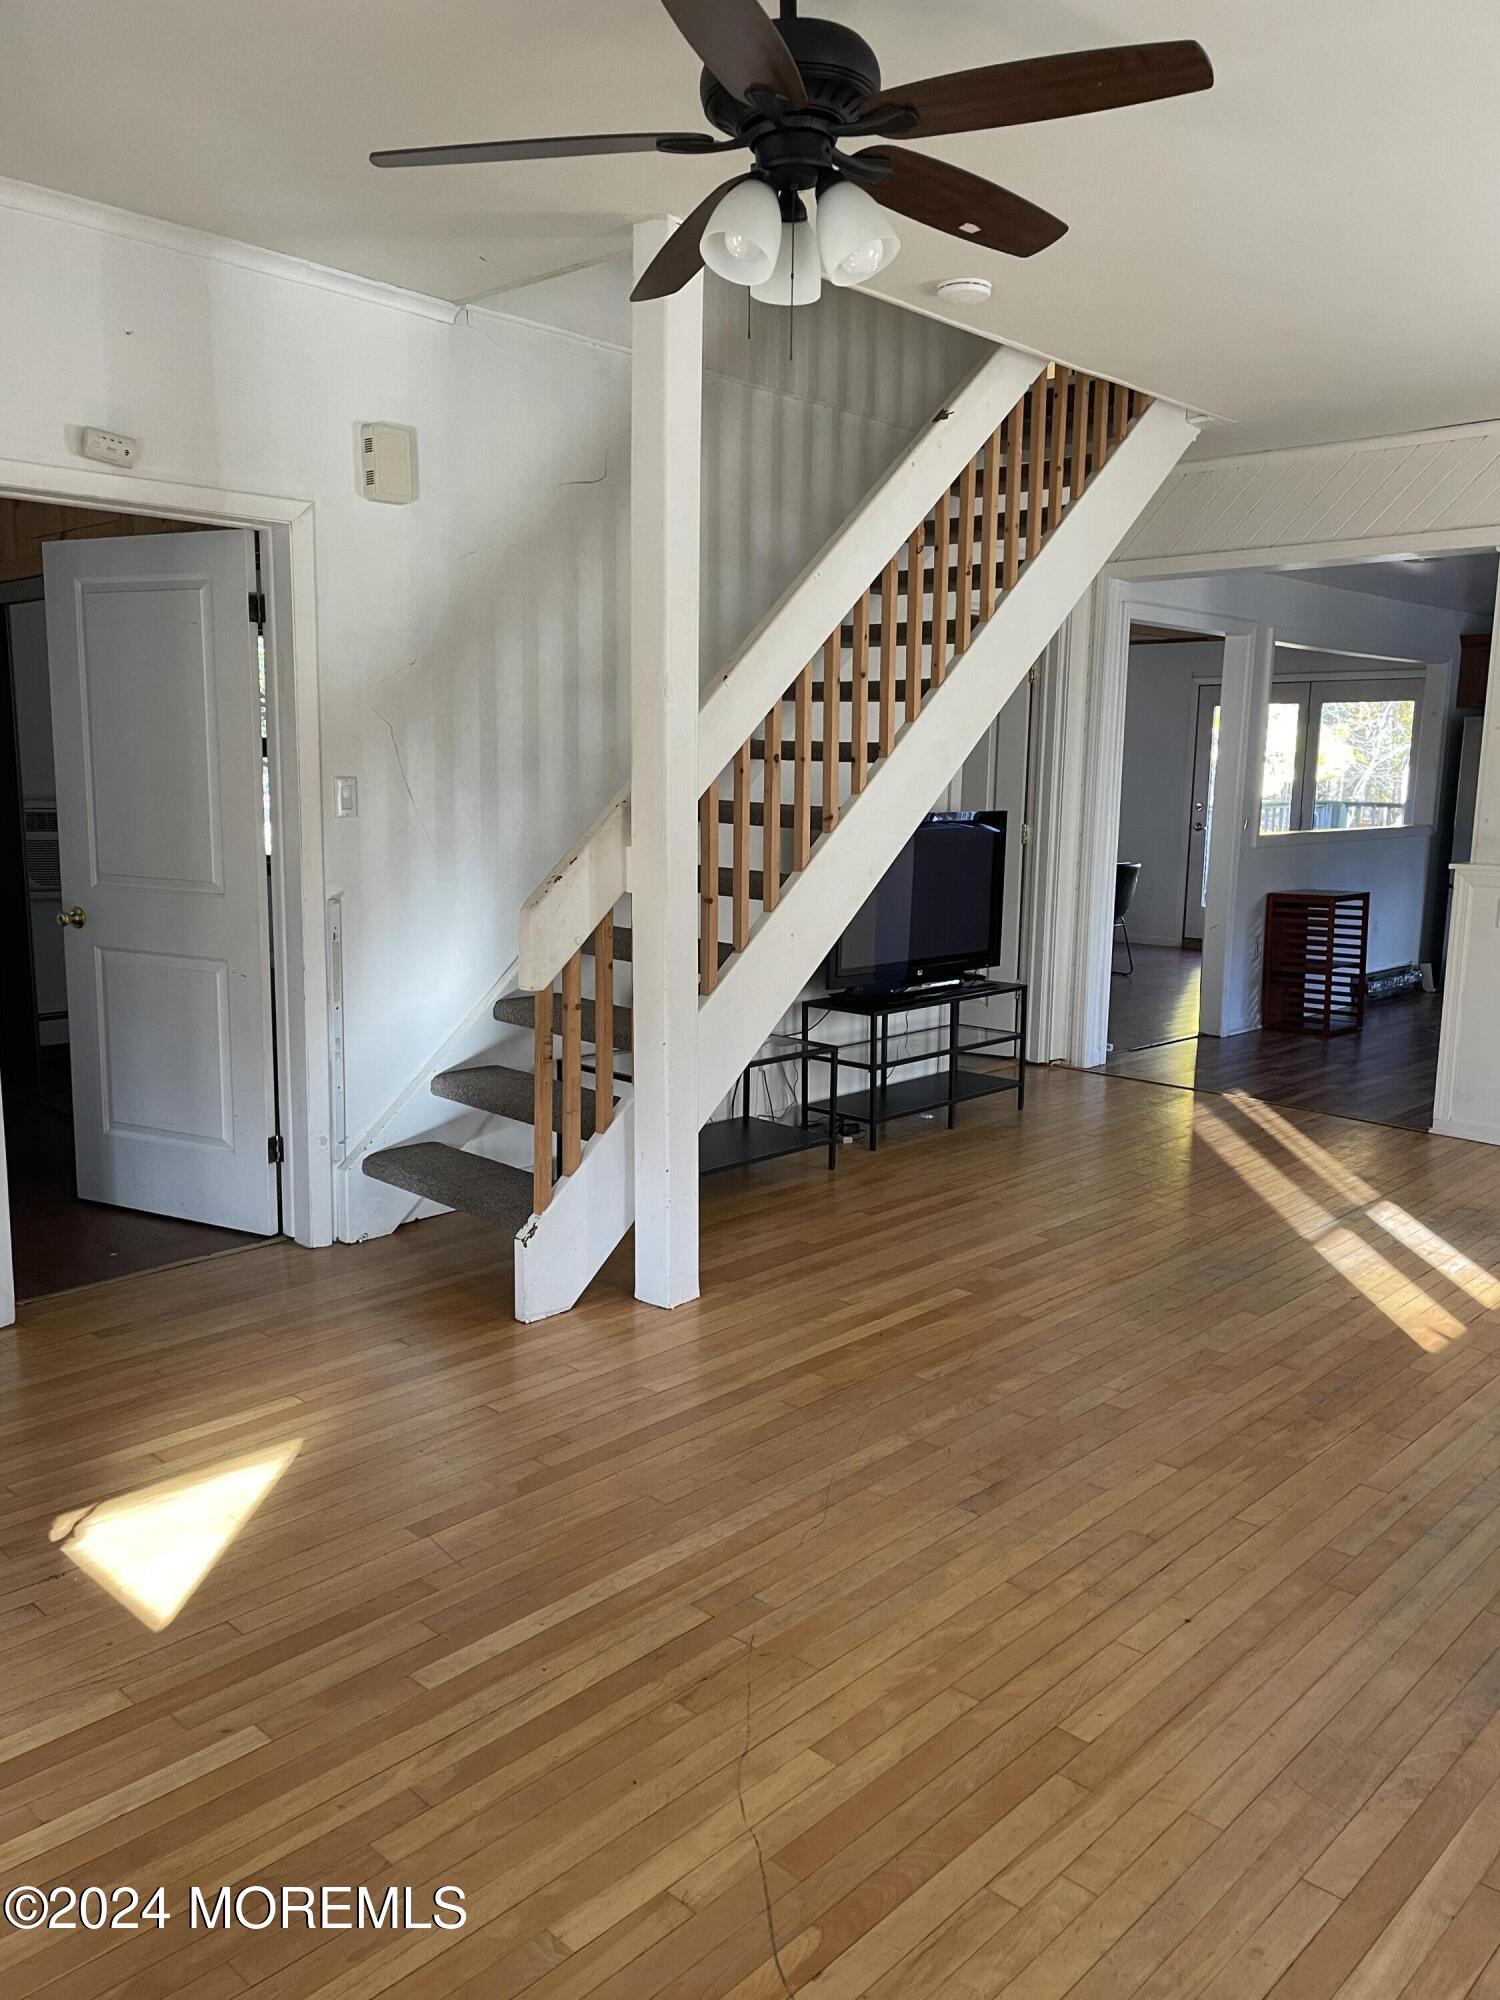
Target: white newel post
665	427
1467	1100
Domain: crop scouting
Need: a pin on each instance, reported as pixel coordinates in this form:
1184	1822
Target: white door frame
1082	756
285	526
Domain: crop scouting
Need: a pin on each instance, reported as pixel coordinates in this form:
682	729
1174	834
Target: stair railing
570	915
995	506
967	551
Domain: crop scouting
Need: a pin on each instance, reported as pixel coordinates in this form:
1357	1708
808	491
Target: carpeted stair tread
504	1093
465	1181
516	1010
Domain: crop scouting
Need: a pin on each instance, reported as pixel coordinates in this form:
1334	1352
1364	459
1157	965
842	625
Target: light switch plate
346	798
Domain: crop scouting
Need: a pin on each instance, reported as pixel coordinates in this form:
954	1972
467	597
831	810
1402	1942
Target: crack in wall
401	767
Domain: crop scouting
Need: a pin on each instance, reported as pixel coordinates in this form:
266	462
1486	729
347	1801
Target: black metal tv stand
884	1100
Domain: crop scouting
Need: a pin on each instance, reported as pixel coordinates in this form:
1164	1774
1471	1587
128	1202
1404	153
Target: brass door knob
74	917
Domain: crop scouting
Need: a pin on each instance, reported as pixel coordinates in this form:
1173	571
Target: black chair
1127	877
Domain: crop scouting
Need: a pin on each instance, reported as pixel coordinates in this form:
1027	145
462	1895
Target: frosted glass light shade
743	237
797	279
855	236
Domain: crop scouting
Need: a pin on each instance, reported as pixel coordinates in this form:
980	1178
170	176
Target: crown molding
74	210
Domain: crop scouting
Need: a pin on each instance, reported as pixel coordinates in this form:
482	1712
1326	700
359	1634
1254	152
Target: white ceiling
1312	249
1450	583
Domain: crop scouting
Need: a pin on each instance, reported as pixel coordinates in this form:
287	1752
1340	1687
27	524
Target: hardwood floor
1387	1073
1158	1002
1057	1558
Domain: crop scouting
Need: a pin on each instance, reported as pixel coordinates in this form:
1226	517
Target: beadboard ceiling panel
1381	490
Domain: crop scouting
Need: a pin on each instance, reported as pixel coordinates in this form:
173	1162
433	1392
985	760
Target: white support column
1467	1101
666	392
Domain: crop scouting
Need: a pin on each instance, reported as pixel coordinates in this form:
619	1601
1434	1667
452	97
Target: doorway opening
1325	748
1172	715
135	883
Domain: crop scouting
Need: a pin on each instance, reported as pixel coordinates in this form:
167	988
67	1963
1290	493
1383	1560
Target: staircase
820	749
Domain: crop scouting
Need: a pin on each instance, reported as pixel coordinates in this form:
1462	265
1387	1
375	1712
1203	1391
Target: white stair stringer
560	1252
789	943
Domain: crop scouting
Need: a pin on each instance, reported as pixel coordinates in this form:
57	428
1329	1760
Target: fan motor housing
839	72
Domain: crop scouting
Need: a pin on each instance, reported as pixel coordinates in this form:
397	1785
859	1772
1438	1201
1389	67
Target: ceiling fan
792	92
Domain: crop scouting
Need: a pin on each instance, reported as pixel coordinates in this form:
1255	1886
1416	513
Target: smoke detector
965	291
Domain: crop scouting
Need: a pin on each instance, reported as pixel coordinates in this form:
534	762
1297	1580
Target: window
1339	755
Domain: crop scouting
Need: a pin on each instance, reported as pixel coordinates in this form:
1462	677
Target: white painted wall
800	418
1156	803
471	646
1161	706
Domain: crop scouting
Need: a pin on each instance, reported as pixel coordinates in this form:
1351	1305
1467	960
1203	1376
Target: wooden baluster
1059	449
1098	449
770	823
989	579
541	1102
859	727
889	626
940	561
916	590
1079	454
604	1024
708	889
802	763
1116	415
572	1063
833	728
1036	462
963	604
740	900
1013	497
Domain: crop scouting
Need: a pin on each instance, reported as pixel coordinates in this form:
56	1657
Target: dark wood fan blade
573	146
740	45
1025	93
679	258
946	197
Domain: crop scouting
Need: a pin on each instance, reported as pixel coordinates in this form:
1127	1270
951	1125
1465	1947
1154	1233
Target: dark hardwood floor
1158	1002
58	1241
1383	1075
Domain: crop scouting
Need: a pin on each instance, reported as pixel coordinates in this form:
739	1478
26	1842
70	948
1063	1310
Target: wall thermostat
388	463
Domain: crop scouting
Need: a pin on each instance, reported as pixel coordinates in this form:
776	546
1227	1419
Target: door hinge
258	609
275	1151
1026	833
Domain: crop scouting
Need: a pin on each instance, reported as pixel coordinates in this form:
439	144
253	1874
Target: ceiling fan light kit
798	277
791	92
855	235
743	239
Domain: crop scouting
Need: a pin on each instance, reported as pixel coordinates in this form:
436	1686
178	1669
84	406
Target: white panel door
157	733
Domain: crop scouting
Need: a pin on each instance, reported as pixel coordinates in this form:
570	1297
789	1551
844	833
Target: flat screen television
935	913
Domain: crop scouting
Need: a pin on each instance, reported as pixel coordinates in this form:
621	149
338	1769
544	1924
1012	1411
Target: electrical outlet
113	447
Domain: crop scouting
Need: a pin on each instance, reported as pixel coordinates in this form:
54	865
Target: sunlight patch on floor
1405	1228
1404	1303
151	1549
